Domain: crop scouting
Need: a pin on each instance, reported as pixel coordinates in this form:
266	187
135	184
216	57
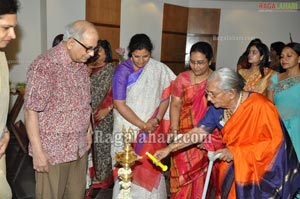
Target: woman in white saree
141	92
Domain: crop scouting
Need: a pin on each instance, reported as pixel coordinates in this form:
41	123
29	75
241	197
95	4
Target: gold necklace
228	113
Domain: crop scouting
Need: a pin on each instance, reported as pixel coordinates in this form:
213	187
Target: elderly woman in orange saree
188	106
259	160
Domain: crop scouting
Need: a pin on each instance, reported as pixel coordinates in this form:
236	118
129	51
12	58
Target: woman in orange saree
259	160
258	143
257	75
188	106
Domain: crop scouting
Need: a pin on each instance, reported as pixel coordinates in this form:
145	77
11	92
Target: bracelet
157	120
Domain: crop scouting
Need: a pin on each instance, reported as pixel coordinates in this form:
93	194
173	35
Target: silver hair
75	31
228	79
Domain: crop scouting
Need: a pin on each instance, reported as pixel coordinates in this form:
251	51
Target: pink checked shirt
59	90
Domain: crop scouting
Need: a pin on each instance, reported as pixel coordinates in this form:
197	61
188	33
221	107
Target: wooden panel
215	49
112	35
173	47
103	11
175	18
176	67
203	21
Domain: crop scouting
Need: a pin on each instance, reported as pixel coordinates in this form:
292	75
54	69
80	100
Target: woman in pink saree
188	106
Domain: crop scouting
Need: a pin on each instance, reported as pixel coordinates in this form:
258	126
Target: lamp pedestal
126	159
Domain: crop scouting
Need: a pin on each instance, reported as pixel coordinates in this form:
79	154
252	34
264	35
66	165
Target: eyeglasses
212	95
87	49
202	62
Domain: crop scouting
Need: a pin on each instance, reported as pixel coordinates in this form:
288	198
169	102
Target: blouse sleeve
177	87
212	119
119	83
273	82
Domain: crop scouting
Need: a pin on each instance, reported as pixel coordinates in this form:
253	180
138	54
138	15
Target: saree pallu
265	164
146	89
286	93
255	82
101	93
189	166
101	79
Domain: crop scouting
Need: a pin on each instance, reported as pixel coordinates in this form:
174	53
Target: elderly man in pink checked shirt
57	113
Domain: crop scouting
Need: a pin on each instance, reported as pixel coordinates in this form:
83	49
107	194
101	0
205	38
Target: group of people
278	80
259	141
77	99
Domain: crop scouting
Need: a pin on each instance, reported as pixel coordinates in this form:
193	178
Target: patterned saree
265	163
189	166
101	78
255	82
145	90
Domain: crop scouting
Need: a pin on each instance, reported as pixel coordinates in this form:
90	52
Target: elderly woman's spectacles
87	49
212	95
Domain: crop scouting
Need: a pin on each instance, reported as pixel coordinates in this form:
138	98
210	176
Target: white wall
268	26
41	20
242	21
141	16
239	23
144	16
21	52
60	13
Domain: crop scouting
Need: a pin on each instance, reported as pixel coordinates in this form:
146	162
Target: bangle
174	131
90	131
157	120
109	108
144	127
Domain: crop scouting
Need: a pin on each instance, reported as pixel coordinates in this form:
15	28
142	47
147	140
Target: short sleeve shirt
59	91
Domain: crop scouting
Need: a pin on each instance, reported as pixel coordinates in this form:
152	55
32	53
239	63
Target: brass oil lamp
126	159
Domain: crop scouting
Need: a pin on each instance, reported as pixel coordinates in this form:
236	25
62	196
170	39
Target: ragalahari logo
278	6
